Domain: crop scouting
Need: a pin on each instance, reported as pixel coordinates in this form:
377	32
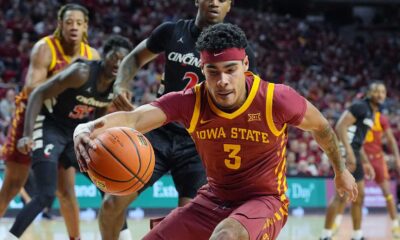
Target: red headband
229	54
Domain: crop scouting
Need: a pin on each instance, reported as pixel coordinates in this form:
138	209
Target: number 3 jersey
75	106
244	152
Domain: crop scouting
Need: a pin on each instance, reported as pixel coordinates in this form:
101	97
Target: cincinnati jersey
182	60
244	152
373	139
363	113
75	106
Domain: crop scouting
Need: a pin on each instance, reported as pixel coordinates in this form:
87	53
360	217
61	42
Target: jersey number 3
234	160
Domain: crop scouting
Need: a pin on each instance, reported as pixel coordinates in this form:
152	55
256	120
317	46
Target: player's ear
246	63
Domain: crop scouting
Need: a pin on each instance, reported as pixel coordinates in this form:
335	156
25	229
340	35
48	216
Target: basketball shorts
380	167
15	131
176	152
358	174
263	217
53	143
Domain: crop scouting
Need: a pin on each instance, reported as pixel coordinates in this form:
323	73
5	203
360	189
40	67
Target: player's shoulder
80	68
95	54
42	47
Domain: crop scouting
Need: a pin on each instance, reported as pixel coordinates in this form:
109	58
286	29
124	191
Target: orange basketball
123	161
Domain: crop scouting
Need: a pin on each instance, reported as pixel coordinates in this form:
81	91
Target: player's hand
369	171
351	161
25	145
122	99
346	185
83	142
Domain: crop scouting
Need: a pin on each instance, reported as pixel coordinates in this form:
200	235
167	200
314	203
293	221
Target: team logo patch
47	150
254	117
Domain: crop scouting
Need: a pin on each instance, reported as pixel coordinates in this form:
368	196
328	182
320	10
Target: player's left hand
25	145
369	171
346	185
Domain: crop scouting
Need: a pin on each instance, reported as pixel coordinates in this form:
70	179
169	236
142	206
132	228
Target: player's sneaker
327	238
396	232
359	239
335	229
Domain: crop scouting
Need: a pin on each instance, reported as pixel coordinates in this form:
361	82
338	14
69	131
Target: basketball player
374	152
49	55
174	148
79	93
239	125
352	128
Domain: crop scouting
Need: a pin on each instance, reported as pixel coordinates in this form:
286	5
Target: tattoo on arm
128	70
328	141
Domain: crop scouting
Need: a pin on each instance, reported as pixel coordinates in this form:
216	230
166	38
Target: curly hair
117	41
71	7
221	36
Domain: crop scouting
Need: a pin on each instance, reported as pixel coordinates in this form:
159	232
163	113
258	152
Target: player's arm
73	76
346	120
323	133
144	118
40	61
393	145
143	53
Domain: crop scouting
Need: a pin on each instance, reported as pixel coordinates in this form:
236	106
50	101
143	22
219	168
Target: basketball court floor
375	227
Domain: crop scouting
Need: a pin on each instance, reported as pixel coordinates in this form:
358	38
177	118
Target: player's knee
229	234
65	194
45	199
230	229
110	206
360	199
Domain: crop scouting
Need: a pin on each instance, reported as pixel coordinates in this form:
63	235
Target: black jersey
362	111
182	67
78	105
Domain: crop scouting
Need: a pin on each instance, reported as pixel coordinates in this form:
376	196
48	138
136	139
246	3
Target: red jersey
373	139
244	151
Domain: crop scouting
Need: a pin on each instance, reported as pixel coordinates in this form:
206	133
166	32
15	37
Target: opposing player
352	128
374	152
79	93
49	55
239	125
174	148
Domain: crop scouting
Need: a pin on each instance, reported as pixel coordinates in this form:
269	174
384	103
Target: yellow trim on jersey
243	108
270	120
377	122
53	53
82	49
58	44
89	52
196	111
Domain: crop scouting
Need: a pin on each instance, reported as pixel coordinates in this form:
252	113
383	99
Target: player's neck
202	23
70	49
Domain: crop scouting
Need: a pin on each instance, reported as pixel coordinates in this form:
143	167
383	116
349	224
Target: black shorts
358	174
175	152
53	143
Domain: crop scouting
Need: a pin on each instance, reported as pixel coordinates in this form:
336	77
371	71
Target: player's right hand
24	145
346	185
351	161
122	99
83	142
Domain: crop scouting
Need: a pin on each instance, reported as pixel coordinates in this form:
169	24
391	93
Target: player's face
226	84
113	59
73	26
213	11
377	93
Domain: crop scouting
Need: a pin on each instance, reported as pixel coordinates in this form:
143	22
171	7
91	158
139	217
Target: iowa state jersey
244	152
59	60
182	60
75	106
373	139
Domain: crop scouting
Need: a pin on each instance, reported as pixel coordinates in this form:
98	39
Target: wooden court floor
375	227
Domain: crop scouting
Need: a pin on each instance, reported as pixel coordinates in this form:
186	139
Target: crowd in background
328	67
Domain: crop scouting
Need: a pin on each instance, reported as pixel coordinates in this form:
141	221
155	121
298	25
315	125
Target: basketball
123	161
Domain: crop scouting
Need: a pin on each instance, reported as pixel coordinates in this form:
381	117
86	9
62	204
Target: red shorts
263	217
10	151
379	164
